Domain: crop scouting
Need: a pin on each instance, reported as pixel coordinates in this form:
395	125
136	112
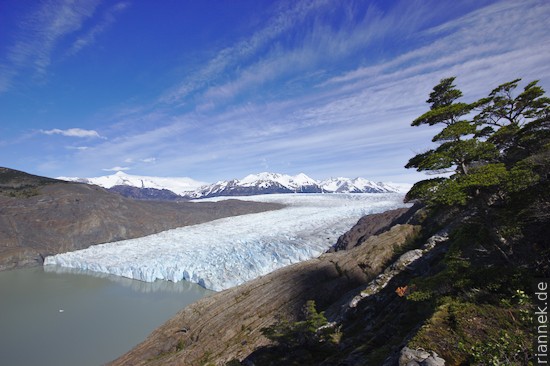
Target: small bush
306	333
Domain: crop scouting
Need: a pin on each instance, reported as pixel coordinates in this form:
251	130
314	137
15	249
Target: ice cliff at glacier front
227	252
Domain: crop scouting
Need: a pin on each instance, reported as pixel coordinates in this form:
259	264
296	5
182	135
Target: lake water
57	318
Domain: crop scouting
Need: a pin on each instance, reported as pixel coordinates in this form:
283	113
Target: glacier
227	252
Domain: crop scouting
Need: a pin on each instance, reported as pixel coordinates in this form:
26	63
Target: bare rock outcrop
373	224
419	357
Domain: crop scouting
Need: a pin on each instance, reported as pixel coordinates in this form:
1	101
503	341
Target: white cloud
72	132
116	169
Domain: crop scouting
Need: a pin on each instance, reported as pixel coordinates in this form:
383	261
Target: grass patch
468	333
21	192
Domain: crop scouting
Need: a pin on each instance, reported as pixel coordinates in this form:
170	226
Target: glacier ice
227	252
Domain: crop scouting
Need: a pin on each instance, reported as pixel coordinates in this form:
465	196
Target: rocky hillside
228	325
41	216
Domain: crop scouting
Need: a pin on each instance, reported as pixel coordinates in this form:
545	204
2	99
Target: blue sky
220	89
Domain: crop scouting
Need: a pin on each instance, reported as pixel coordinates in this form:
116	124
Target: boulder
419	357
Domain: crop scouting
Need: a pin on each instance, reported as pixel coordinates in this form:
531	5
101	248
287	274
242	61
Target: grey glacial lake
54	317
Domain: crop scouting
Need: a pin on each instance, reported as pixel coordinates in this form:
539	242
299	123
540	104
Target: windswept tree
487	151
458	149
498	149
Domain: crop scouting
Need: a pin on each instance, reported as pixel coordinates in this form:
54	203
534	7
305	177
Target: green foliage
444	94
420	296
481	304
447	114
431	160
423	190
501	108
487	175
468	333
492	153
449	192
520	177
454	131
443	108
311	332
20	192
504	349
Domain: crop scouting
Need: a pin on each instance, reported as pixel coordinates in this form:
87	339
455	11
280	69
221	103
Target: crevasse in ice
227	252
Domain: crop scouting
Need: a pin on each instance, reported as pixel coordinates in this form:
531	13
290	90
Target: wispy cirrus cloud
73	132
288	16
41	31
106	21
480	37
267	56
47	28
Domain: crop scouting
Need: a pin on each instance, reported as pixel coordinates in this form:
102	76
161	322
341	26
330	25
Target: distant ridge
146	187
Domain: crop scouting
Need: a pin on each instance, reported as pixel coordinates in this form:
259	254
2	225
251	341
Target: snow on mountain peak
260	183
287	181
178	185
303	179
356	185
263	176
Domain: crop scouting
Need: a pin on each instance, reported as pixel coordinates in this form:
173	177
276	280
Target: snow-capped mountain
262	183
178	185
253	184
357	185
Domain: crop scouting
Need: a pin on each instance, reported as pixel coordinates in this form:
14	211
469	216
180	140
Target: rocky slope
146	193
227	325
41	216
371	225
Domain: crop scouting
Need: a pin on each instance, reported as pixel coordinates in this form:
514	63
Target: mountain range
177	188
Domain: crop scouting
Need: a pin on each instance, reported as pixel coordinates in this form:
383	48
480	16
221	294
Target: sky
220	89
